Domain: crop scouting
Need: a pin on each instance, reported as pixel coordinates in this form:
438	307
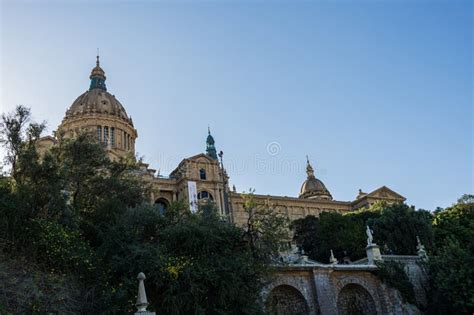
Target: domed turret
100	112
312	187
210	147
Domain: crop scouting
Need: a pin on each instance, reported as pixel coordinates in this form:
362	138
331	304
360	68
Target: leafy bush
451	268
26	289
62	250
196	264
393	274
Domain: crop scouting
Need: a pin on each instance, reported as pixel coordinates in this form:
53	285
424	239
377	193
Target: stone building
100	112
303	288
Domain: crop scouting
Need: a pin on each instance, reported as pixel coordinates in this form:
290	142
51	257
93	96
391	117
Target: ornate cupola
97	77
100	113
312	187
210	148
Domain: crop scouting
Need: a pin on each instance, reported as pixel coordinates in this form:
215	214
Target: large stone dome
97	101
312	187
100	113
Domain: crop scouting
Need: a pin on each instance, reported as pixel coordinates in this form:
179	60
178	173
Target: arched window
161	204
205	195
202	173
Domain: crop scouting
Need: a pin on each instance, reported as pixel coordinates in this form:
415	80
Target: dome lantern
210	147
97	77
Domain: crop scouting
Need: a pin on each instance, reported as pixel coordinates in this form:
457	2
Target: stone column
326	296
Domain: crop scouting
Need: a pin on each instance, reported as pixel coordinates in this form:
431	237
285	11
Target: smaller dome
312	187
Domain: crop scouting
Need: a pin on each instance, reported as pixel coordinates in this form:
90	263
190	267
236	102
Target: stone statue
332	259
370	237
420	248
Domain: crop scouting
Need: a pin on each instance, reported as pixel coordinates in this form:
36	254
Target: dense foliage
447	234
452	264
395	229
76	228
331	231
393	274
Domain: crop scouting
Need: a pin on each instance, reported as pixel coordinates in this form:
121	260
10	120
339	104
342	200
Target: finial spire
309	168
97	76
210	147
332	259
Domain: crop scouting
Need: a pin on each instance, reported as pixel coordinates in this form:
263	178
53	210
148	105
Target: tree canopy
76	218
451	267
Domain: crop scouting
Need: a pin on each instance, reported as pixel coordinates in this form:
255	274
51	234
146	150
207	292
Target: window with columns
99	133
112	136
106	135
123	139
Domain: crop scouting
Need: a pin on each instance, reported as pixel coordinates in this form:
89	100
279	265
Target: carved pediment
386	193
201	158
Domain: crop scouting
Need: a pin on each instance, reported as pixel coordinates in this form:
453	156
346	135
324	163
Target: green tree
264	230
456	222
398	226
345	235
452	279
393	274
19	136
451	266
195	263
55	206
84	219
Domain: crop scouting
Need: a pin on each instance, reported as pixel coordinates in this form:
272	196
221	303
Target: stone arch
205	195
354	299
286	300
162	204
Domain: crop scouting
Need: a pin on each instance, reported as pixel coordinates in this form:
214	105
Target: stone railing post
142	301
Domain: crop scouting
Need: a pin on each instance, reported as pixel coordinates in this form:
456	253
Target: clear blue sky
375	92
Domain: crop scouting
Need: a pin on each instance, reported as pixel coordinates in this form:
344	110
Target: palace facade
100	112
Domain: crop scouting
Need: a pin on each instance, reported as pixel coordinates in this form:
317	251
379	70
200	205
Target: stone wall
418	275
332	289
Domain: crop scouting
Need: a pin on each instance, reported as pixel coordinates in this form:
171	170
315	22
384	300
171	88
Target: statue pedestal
373	253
